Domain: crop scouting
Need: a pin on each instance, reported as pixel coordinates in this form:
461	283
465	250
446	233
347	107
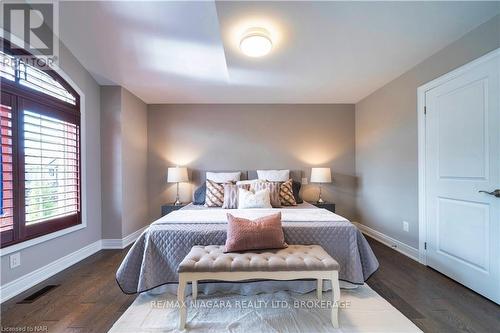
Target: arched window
40	150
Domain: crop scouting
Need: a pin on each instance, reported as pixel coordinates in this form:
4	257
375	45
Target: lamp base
177	201
320	200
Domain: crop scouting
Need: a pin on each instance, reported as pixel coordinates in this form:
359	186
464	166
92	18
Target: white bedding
219	215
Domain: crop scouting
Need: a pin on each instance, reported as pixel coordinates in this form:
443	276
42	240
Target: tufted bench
292	263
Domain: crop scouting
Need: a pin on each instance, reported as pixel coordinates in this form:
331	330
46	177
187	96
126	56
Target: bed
153	259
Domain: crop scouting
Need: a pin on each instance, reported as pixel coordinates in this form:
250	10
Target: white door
462	159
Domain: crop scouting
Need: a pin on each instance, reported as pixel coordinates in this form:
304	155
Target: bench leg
194	289
319	288
336	298
180	298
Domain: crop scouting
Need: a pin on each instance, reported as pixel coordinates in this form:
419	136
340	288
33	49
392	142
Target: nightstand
327	206
169	208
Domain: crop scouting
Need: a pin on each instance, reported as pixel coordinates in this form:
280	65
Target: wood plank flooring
89	300
434	302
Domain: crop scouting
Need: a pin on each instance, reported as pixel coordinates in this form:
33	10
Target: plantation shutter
6	197
51	164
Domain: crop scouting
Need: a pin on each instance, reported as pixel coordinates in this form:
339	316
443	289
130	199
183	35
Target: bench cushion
212	258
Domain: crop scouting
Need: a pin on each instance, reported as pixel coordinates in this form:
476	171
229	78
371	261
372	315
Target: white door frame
422	222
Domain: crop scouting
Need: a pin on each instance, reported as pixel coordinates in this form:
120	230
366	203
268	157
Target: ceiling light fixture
256	42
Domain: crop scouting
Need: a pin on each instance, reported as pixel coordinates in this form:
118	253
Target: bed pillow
249	199
214	195
274	175
296	191
274	191
249	182
262	233
286	194
223	177
199	195
231	195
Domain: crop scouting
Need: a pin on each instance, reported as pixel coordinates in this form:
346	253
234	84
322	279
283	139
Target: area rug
361	310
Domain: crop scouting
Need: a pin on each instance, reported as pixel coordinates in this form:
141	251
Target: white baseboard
109	244
394	244
122	243
29	280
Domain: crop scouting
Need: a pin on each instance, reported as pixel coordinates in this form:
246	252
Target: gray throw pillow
296	191
199	195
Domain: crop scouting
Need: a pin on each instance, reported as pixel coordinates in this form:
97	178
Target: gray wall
44	253
111	161
236	137
123	162
135	162
386	137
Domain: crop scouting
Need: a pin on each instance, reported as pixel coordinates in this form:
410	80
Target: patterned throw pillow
214	196
231	195
274	191
286	194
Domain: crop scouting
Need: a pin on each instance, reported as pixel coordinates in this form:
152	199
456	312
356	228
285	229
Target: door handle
496	193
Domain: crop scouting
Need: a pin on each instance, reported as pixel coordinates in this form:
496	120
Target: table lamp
177	175
321	176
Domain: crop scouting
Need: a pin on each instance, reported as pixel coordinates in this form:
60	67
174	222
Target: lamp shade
177	175
321	175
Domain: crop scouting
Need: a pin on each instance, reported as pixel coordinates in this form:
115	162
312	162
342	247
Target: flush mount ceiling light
256	42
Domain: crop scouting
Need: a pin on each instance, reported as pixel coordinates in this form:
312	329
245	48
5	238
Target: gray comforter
153	259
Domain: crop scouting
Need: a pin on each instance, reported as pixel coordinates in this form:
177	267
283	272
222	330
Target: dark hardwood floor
434	302
89	300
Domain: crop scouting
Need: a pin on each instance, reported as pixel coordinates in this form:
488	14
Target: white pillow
249	199
223	177
274	175
249	182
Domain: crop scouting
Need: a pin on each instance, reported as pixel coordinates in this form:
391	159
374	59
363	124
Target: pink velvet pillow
262	233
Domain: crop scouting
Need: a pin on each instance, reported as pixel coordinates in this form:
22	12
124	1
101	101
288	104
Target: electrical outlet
406	226
304	181
15	260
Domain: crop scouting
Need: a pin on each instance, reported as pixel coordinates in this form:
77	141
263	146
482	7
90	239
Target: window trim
27	93
15	247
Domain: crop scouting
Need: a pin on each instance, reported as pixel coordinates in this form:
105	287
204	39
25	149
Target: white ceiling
324	52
